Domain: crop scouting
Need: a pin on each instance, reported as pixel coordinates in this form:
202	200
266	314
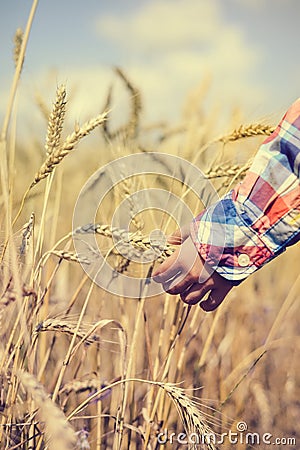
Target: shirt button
243	260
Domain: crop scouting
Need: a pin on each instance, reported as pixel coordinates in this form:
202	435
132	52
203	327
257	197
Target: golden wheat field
83	366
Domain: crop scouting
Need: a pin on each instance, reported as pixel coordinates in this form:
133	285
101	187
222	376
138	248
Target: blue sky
248	49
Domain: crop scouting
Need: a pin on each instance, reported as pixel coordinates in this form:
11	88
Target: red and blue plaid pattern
258	219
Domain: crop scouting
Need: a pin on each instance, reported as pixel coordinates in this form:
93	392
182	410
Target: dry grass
77	361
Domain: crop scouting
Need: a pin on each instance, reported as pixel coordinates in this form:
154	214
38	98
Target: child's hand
185	273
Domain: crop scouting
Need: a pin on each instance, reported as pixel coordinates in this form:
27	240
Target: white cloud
162	25
171	45
259	4
168	47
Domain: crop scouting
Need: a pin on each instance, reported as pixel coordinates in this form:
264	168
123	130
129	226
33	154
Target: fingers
195	293
175	238
167	270
215	298
184	279
181	269
178	284
185	273
216	285
179	235
192	292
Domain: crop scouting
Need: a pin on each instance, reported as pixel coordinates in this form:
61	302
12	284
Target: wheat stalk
16	79
59	433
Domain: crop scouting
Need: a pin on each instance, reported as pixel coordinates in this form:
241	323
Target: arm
247	228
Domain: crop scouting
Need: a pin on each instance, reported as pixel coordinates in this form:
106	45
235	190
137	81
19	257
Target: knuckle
184	298
190	299
171	291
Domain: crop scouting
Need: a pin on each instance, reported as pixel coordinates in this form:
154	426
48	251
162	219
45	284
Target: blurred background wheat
82	368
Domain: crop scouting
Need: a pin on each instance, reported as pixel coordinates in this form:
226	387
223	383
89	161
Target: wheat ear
126	242
227	170
66	326
131	130
78	386
244	131
27	233
70	143
194	421
56	121
59	433
82	440
18	39
70	256
43	107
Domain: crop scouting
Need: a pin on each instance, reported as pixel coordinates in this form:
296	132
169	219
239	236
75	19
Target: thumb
179	235
215	298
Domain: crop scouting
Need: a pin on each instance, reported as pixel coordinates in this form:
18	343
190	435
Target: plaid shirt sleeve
258	219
